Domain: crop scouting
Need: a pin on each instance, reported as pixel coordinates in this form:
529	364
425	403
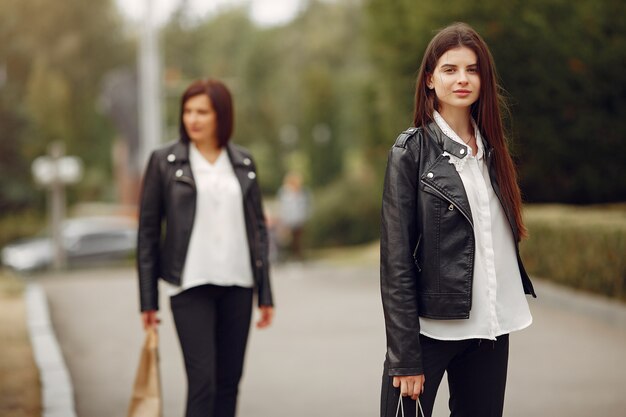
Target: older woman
202	230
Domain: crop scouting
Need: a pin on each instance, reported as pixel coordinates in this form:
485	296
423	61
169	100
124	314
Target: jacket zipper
440	194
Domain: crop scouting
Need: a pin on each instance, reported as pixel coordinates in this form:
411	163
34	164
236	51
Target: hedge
19	225
581	247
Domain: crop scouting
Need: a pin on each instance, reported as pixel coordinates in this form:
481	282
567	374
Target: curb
56	386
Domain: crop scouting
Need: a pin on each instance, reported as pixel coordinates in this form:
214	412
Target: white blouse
218	251
499	305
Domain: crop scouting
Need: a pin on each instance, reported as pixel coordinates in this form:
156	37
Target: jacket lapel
442	176
178	158
242	165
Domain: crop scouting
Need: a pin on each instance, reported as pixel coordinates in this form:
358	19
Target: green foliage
346	212
325	93
561	63
296	87
17	226
580	247
570	91
349	67
53	56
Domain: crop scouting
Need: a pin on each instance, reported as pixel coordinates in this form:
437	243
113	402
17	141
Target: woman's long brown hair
485	111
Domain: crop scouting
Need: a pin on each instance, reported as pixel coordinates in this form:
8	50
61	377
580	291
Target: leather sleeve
398	272
262	262
149	235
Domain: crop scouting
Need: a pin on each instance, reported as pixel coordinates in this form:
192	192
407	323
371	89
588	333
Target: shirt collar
196	158
447	130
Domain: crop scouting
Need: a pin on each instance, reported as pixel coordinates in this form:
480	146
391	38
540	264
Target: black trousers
476	378
212	324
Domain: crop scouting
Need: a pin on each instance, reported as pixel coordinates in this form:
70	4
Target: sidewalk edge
57	392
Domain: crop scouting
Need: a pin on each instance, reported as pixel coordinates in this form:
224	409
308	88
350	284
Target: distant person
295	209
202	230
452	280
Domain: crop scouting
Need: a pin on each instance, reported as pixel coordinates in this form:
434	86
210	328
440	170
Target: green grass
20	394
10	284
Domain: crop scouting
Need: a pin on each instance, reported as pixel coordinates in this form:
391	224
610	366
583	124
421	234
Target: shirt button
462	151
179	173
247	161
451	207
430	175
171	157
251	175
259	263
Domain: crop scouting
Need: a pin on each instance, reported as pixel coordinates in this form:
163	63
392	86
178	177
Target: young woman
202	230
452	282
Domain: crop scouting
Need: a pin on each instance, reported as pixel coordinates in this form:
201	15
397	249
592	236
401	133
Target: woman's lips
462	93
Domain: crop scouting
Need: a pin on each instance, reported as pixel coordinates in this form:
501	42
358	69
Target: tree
54	55
560	63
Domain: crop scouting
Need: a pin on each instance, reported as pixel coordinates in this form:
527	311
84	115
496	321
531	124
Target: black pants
476	378
212	324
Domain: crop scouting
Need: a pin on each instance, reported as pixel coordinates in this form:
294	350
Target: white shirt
218	251
499	305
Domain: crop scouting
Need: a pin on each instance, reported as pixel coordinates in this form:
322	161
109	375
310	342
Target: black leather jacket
167	209
427	241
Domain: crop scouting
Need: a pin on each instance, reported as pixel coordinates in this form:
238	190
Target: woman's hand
150	319
411	385
267	315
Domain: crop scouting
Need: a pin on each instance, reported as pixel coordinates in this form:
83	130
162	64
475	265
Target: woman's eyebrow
454	65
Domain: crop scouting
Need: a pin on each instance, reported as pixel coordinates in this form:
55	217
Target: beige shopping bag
146	399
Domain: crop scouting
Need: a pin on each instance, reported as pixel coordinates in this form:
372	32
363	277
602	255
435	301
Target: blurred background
321	90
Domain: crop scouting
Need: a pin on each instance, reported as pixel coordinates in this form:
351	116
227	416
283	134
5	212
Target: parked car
85	240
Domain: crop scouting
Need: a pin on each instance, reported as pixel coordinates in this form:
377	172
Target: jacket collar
242	165
446	143
241	162
454	148
180	152
237	158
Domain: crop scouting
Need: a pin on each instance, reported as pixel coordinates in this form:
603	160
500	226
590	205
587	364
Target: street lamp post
149	86
54	171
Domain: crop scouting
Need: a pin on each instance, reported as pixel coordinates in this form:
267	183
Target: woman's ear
429	82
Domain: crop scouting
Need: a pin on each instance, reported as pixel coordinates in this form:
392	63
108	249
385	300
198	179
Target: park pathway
323	355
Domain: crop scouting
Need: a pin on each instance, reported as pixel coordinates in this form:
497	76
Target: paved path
323	356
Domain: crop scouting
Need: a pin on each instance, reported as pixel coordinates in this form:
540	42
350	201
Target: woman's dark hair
485	111
221	101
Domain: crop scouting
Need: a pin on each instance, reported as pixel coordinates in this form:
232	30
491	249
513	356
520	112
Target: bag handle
418	408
